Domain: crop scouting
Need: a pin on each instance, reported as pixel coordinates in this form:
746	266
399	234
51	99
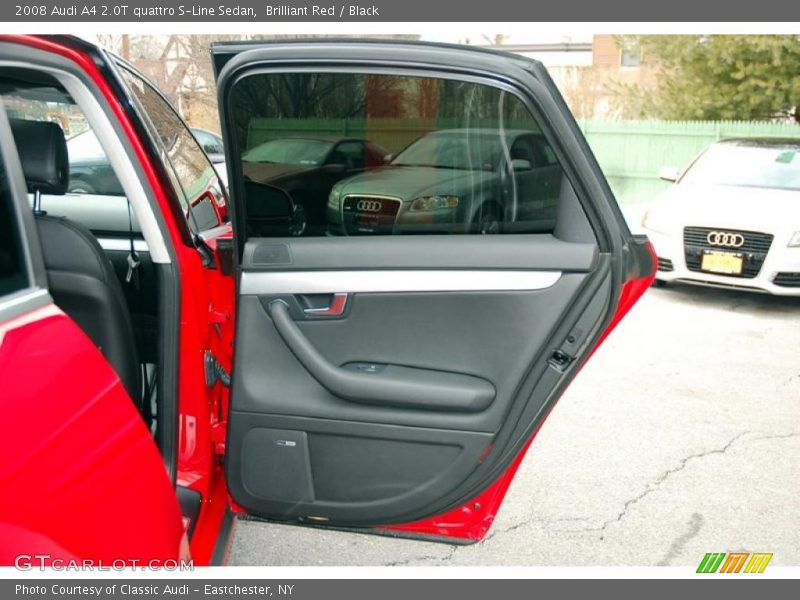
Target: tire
79	186
489	219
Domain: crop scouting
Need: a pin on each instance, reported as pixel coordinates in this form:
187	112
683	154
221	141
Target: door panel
384	378
345	472
471	333
298	449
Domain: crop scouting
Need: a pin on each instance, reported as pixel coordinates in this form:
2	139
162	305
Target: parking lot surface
680	437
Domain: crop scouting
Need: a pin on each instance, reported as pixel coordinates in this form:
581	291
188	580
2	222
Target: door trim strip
393	281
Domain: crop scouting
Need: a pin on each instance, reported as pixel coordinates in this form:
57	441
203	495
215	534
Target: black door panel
343	471
472	333
298	449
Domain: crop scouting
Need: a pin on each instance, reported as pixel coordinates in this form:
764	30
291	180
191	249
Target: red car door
81	476
392	373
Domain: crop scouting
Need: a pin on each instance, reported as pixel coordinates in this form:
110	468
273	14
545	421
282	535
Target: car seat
80	277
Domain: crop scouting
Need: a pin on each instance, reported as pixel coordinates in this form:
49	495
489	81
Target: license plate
726	263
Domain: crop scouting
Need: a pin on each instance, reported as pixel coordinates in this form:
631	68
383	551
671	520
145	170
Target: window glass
191	173
764	164
352	153
13	276
547	154
630	53
90	171
382	154
210	143
289	152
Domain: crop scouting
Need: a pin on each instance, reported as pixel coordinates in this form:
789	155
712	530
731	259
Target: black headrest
42	151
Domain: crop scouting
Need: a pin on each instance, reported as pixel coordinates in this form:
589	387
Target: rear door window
446	156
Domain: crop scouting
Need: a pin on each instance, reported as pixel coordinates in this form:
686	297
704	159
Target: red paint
472	520
83	477
212	512
199	408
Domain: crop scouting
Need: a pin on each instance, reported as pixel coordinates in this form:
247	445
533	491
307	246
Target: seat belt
132	278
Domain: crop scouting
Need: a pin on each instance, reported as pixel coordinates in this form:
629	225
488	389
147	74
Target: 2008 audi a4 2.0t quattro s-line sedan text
184	358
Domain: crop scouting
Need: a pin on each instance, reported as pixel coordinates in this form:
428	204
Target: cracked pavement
680	437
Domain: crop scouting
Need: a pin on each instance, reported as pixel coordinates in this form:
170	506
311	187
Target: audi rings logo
368	206
725	238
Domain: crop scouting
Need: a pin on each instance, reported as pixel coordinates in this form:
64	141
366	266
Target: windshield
767	166
452	151
85	146
289	152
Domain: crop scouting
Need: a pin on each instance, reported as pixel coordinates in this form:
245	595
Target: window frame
538	103
35	293
527	78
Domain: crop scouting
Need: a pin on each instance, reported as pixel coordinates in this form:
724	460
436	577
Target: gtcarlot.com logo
734	562
29	562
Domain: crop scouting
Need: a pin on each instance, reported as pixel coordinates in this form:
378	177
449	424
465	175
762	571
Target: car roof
318	138
235	46
766	142
508	133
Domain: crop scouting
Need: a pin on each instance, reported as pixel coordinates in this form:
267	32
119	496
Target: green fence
631	153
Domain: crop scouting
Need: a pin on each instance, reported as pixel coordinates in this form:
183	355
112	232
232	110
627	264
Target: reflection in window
383	154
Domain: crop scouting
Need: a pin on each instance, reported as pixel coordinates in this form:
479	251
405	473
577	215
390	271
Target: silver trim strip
328	282
122	245
22	302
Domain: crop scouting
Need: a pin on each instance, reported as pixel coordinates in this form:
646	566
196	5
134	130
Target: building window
630	54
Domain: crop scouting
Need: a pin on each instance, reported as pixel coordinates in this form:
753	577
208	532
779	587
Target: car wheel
488	219
79	186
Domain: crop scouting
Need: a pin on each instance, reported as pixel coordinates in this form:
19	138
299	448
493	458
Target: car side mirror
264	201
520	164
271	210
670	174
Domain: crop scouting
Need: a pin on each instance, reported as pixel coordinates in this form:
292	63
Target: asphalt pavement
680	437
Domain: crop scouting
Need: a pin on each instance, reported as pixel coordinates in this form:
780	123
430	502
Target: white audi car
732	219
